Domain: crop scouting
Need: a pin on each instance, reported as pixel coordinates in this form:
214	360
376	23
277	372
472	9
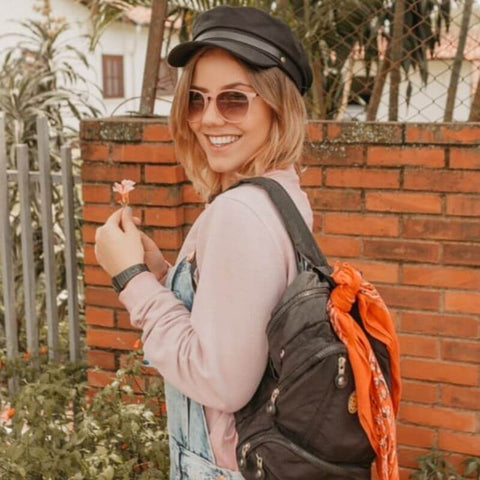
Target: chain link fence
378	60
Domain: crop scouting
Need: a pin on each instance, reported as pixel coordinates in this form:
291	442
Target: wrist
120	280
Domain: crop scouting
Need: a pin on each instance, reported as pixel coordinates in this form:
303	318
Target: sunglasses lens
196	105
232	105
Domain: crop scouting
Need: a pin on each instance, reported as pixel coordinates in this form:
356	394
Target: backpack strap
298	231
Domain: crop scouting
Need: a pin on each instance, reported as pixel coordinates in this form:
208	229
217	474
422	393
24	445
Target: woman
237	112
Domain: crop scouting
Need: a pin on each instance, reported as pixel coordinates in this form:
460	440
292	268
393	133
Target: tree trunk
396	59
475	110
347	85
457	62
380	78
152	60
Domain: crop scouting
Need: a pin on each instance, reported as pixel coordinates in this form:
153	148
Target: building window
112	76
167	79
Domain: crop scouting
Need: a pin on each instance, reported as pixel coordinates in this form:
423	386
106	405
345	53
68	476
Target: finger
114	218
127	219
148	243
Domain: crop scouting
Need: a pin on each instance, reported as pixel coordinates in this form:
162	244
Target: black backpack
301	423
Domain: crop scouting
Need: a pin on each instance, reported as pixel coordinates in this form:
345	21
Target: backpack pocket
271	455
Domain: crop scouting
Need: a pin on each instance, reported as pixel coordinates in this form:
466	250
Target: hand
153	257
118	243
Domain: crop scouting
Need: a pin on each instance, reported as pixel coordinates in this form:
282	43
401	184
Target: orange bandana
376	407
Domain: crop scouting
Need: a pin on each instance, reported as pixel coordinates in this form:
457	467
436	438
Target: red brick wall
400	201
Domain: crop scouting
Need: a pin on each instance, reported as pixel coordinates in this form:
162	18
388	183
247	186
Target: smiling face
228	146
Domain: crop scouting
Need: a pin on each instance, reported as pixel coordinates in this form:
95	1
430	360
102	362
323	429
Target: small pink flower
123	188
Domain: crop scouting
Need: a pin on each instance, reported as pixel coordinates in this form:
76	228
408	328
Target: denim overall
191	455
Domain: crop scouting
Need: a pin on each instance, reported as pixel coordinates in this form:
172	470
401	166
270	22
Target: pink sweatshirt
217	354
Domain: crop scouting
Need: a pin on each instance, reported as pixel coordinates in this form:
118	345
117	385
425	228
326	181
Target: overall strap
298	231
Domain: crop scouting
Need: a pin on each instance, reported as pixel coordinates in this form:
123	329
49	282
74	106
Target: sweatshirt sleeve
217	353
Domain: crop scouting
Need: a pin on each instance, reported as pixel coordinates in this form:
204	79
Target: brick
467	157
415	436
361	224
419	392
125	361
459	442
461	254
403	202
442	134
96	276
454	181
156	133
101	359
401	250
314	131
364	132
334	154
144	153
439	324
463	205
405	297
362	178
437	417
123	321
98	378
189	194
461	350
332	199
338	246
312	177
170	256
436	276
98	213
109	173
101	297
442	229
96	193
89	257
317	222
378	271
462	302
408	456
170	196
164	174
192	212
418	346
91	151
431	157
460	397
99	316
88	233
164	217
439	371
169	239
108	338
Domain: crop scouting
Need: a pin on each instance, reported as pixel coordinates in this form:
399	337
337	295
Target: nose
210	114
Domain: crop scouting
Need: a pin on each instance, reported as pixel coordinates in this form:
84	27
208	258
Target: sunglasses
231	105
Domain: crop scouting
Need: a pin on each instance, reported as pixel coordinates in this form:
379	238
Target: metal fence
382	60
24	178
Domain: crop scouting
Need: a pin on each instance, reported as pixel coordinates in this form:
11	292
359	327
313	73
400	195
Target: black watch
121	279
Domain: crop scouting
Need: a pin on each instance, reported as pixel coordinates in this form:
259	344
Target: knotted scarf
377	407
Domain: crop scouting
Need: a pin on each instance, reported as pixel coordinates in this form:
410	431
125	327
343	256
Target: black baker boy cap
253	36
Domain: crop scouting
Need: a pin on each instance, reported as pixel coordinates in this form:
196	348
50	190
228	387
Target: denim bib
191	454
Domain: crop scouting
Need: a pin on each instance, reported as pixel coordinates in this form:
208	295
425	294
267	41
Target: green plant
434	466
56	431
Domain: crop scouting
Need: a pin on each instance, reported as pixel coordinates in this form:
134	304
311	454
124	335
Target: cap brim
181	54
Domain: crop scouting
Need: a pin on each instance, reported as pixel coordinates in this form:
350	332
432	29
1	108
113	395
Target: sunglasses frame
206	101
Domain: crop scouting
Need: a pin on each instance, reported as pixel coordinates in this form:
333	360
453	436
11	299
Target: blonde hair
283	146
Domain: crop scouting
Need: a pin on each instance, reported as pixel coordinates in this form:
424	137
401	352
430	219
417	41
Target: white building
118	61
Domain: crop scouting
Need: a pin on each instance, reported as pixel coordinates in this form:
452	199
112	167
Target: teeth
223	140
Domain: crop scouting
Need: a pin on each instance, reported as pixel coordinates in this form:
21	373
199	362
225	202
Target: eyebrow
230	85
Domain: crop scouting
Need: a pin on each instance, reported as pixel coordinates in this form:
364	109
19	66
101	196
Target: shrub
54	430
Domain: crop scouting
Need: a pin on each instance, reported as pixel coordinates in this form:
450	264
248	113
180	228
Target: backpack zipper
298	297
300	369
